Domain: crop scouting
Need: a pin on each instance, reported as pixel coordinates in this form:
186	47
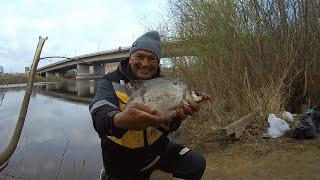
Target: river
58	140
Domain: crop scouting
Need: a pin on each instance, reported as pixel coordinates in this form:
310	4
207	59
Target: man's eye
152	58
140	57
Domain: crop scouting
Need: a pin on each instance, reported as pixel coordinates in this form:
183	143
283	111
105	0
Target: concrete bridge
86	66
94	65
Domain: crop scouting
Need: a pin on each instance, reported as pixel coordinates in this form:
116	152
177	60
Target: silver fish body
164	95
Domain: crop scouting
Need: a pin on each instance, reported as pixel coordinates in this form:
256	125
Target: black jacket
117	158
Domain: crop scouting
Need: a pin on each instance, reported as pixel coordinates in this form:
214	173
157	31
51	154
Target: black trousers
190	165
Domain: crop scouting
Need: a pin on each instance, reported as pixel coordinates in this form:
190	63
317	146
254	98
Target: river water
58	140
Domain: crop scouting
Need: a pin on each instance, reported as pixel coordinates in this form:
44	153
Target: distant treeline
18	79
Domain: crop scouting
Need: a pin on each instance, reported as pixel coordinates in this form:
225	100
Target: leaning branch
7	153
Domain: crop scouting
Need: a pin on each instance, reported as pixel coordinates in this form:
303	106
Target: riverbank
7	86
20	79
282	158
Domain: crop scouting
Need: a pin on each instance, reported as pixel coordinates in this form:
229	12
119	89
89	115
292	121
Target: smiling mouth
145	72
144	69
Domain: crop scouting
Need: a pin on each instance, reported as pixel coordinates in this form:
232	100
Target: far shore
6	86
22	80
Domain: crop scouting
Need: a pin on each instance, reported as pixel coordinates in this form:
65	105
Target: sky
73	27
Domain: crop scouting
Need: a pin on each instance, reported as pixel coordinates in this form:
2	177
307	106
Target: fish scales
162	94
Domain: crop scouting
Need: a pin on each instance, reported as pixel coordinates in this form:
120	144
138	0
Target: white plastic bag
278	127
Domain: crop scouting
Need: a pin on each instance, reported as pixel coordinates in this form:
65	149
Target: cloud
74	27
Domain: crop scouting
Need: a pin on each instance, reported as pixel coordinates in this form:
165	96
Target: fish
164	95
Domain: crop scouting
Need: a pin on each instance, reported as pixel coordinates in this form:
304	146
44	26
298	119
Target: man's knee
192	166
200	165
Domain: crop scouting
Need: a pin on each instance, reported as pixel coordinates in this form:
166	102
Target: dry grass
248	55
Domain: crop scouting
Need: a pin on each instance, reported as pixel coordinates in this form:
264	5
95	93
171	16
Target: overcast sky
73	27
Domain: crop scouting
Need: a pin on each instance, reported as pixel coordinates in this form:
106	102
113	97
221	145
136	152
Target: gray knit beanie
150	41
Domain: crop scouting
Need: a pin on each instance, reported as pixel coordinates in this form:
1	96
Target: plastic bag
277	126
306	129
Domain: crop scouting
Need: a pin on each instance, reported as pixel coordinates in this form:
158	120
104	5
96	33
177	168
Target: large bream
164	95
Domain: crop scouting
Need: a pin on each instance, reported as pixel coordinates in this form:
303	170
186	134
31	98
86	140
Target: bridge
94	65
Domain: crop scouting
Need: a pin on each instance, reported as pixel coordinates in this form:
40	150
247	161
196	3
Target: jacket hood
125	69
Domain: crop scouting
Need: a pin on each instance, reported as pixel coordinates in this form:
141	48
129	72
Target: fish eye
197	92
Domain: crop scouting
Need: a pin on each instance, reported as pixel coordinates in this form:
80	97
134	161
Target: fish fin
119	87
130	91
124	88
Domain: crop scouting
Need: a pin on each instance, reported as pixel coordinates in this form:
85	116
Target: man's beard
149	69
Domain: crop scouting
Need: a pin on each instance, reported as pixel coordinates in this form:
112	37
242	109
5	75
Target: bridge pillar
43	75
49	74
91	70
70	73
82	70
61	73
93	87
83	88
99	69
109	67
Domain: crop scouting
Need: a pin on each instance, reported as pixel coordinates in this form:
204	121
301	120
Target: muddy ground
283	158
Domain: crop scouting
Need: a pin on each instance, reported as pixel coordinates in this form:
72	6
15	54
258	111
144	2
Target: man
133	142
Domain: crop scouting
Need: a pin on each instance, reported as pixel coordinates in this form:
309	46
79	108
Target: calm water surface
55	125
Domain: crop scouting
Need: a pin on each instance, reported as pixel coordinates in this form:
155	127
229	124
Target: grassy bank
17	79
248	55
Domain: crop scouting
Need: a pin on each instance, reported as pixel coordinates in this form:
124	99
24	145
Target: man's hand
185	110
138	117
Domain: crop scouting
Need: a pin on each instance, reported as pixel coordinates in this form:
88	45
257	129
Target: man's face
143	64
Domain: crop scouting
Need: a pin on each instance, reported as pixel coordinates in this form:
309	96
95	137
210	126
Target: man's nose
145	62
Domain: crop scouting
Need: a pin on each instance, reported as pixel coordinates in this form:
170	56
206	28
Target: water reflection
80	90
55	123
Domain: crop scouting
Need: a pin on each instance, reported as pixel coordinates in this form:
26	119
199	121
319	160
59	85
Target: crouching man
133	142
